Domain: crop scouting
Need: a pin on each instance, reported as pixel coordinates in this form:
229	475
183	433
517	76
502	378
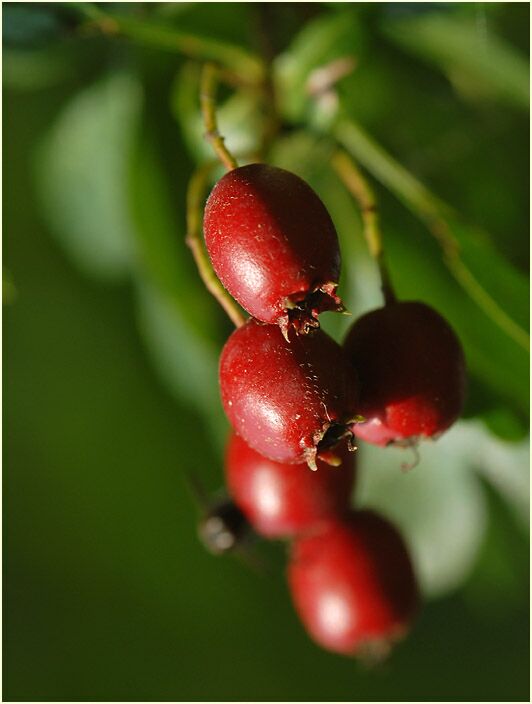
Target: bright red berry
273	245
281	500
353	584
289	400
411	369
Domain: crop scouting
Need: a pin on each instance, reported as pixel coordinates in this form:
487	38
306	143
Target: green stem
241	62
195	198
432	211
208	83
360	189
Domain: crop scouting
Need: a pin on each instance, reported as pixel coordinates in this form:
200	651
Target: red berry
412	373
353	584
273	245
281	500
288	400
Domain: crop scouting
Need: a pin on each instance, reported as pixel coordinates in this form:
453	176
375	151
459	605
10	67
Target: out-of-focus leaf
177	316
239	119
505	424
439	504
506	465
9	290
184	101
165	37
29	26
82	172
186	364
505	283
34	70
477	61
327	38
162	256
173	10
227	22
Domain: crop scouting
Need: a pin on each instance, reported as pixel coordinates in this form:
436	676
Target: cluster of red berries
297	399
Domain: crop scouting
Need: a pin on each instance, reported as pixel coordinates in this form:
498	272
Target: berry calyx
353	585
282	500
274	247
412	374
290	401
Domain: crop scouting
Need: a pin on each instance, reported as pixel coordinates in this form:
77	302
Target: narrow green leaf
444	226
186	364
82	175
178	319
162	256
479	62
327	38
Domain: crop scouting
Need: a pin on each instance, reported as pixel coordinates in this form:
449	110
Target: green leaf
162	256
329	37
82	175
439	504
9	290
504	423
505	283
36	69
186	364
239	118
178	319
29	26
478	62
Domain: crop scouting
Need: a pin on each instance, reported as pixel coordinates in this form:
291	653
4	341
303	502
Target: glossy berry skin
353	585
412	373
282	500
286	398
273	245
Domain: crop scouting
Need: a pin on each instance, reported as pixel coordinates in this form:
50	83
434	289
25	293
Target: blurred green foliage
112	342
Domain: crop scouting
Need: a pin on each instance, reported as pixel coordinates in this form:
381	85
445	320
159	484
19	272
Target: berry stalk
360	189
195	199
208	84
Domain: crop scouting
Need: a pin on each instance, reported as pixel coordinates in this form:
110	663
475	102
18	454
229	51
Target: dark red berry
281	500
353	584
288	400
411	369
273	245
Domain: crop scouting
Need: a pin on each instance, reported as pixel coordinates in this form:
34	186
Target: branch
246	65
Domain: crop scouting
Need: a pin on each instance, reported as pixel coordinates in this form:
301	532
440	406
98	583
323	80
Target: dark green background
108	595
